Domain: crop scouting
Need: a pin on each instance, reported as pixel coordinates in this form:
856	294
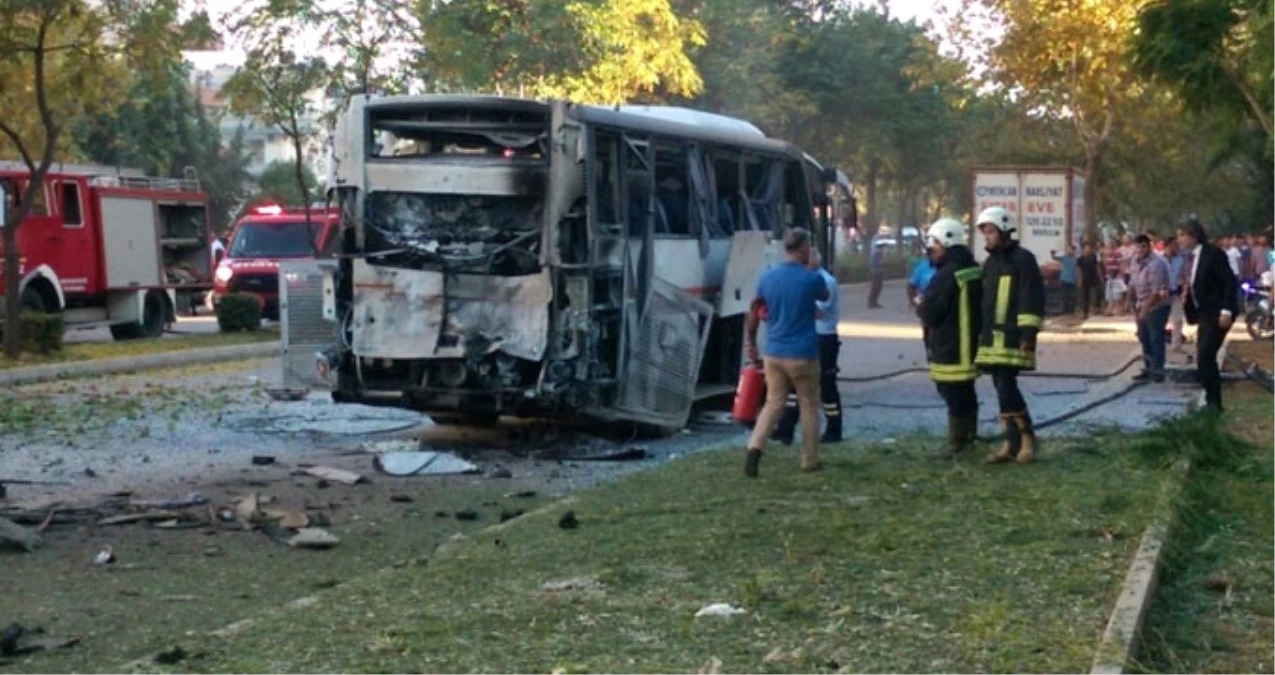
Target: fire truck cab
104	246
265	235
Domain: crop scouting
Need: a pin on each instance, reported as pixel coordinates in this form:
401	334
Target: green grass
90	351
887	561
1213	613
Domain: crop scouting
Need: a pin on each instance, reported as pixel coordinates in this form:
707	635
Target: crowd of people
984	320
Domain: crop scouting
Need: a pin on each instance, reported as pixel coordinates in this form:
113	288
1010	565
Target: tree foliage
161	128
56	58
278	183
1218	54
1067	58
591	51
275	86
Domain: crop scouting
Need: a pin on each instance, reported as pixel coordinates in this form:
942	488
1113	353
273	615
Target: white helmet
998	218
946	231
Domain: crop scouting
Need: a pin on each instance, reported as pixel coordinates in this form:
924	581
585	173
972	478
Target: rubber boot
969	430
832	434
955	438
1009	429
1027	442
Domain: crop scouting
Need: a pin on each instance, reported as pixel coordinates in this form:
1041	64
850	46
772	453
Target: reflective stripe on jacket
1013	308
950	312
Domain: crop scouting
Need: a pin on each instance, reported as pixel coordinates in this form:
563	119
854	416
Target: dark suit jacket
1214	288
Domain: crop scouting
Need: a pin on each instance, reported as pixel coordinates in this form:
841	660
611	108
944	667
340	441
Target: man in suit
1211	293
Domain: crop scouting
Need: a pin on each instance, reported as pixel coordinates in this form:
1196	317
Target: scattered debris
500	472
139	517
568	521
440	514
1217	584
287	518
339	475
589	583
421	463
192	499
720	609
17	535
322	484
525	494
106	556
467	514
171	657
401	499
90	473
287	393
510	515
262	460
775	656
712	667
178	524
313	537
9	638
248	510
628	455
15	640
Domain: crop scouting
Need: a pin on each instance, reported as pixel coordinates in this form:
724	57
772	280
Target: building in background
210	70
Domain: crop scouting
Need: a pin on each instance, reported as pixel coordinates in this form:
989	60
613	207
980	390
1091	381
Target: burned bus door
747	260
664	362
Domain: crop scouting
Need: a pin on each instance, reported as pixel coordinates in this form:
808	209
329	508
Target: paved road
880	342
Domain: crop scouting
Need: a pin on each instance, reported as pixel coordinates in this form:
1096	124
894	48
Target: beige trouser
783	375
1177	319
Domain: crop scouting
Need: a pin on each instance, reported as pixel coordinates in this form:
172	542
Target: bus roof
657	120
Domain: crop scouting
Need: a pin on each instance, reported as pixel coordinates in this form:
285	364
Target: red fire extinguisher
750	394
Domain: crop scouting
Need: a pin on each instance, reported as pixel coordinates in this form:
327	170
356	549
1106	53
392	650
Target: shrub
239	312
41	333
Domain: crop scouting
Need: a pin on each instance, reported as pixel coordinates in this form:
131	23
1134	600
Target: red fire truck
104	246
266	234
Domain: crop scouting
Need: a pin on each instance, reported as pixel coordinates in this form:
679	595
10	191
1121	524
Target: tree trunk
1093	164
870	219
12	296
305	194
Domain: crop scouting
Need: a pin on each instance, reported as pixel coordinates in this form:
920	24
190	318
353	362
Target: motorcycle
1258	318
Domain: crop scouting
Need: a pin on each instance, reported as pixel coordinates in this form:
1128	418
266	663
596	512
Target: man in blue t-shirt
787	293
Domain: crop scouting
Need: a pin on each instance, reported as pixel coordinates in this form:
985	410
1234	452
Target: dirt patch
215	431
1261	353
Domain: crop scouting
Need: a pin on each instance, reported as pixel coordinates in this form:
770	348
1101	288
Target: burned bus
545	259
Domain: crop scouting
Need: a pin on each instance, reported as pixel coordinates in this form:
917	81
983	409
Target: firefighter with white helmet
949	310
1012	315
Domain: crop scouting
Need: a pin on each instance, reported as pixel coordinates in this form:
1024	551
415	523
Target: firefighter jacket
1013	308
949	310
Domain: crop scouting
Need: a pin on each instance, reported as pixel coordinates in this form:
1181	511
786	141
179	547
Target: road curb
1121	639
173	359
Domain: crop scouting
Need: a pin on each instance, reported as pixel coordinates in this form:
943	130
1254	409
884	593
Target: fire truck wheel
151	325
33	301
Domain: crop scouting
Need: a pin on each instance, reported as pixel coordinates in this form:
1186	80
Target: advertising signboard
1047	204
1043	223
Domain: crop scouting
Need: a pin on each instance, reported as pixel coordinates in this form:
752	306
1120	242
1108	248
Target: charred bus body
504	256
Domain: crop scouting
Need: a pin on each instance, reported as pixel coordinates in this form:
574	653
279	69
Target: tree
274	86
1067	58
590	51
278	183
56	56
162	129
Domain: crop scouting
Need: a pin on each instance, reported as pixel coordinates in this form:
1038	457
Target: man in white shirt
1233	254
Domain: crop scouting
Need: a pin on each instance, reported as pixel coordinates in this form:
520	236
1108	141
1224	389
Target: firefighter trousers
1007	392
829	394
961	398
